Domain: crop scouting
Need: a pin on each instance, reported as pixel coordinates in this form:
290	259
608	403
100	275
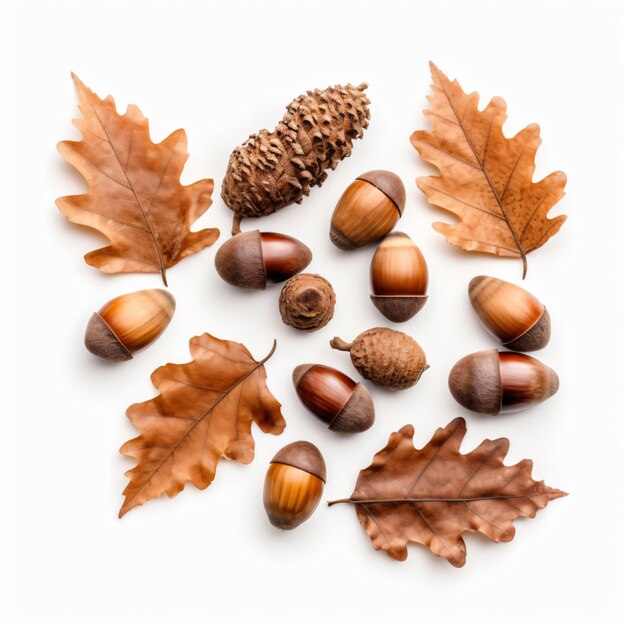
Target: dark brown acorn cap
103	342
302	455
399	308
357	414
389	183
475	382
239	261
535	338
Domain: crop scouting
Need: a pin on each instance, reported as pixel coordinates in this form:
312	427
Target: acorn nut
492	382
294	484
346	406
129	323
511	314
252	259
399	277
387	357
307	302
368	209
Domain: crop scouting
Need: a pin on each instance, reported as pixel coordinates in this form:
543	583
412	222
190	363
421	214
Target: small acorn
368	209
492	382
511	314
387	357
129	323
399	277
252	259
345	405
294	484
307	302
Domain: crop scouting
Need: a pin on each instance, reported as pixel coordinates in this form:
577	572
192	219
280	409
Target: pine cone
271	170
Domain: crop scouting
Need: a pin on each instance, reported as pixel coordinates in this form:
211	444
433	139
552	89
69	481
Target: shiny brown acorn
368	209
129	323
399	277
511	314
294	484
345	405
387	357
493	382
252	259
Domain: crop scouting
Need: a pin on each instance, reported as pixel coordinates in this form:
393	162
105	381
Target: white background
223	70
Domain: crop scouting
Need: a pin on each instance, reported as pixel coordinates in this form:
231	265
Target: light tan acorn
340	402
368	209
511	314
307	302
273	169
294	484
387	357
129	323
399	277
252	259
492	382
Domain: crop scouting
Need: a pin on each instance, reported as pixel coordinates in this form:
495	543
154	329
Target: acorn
399	277
307	302
492	382
345	405
294	484
511	314
368	209
387	357
129	323
252	259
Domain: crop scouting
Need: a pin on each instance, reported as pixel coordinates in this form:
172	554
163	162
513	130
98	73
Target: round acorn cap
389	183
239	261
475	382
399	308
535	338
357	415
103	342
302	455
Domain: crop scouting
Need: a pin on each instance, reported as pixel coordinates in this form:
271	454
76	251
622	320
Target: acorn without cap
492	382
252	259
387	357
346	406
399	277
129	323
513	315
294	484
368	209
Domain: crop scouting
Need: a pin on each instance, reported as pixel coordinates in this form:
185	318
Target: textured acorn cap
534	338
239	261
302	455
389	183
399	308
475	383
358	413
101	341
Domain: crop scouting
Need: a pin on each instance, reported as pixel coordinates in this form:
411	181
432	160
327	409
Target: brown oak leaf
433	495
204	412
486	178
135	197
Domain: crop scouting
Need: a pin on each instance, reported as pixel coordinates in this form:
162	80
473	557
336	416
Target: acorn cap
482	366
239	261
101	341
534	338
389	183
399	308
357	414
304	456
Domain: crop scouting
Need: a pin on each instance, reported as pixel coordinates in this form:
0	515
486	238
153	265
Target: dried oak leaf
486	178
433	495
135	197
204	412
